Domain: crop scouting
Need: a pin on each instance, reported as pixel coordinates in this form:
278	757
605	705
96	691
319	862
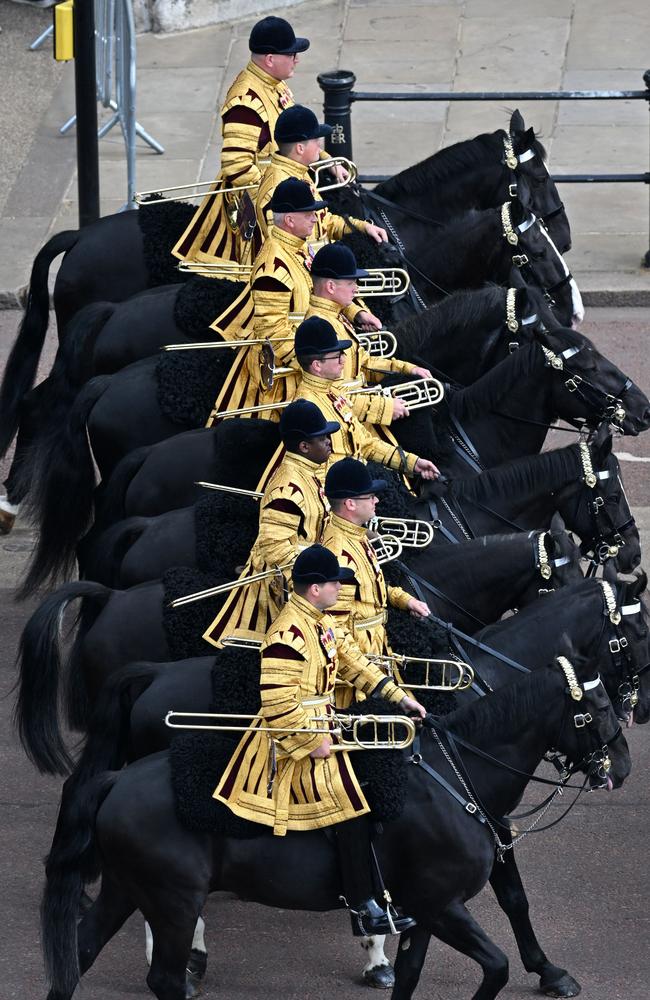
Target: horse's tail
112	505
20	372
71	864
61	501
102	559
36	712
73	365
107	744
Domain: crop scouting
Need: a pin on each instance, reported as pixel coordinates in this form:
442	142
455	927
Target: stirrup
370	919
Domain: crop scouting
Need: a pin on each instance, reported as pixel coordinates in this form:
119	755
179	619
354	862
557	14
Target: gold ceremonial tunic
293	512
353	438
271	779
328	228
280	286
361	607
249	114
359	365
362	603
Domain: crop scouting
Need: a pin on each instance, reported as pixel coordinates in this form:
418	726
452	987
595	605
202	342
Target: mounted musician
298	135
293	781
252	106
321	357
293	514
280	285
363	602
334	275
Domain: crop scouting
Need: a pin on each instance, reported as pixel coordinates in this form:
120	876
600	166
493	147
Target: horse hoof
195	972
565	986
382	977
193	987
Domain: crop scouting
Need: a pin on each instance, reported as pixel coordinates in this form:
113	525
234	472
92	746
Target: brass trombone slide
464	679
381	344
347	727
141	196
244	581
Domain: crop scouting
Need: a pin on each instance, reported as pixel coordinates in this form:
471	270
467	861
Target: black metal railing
339	96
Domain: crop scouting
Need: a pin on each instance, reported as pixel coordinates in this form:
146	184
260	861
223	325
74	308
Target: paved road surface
586	879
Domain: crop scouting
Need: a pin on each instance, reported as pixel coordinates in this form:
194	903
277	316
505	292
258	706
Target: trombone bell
384	281
409	533
333	161
416	395
386	548
381	344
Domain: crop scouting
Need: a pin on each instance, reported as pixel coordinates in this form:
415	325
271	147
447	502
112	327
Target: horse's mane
519	477
495	715
435	169
462	310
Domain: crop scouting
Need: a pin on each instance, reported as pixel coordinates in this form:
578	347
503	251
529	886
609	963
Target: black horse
113	825
525	392
124	254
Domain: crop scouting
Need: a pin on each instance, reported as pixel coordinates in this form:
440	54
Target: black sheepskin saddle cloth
199	759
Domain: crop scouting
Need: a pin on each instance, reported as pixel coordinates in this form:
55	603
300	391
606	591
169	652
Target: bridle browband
611	407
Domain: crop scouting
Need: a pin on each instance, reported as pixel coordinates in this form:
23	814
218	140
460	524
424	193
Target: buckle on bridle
519	259
573	383
581	720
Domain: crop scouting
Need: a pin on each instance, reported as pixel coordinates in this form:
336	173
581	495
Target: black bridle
594	761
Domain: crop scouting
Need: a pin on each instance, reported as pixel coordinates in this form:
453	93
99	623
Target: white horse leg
148	942
198	941
377	971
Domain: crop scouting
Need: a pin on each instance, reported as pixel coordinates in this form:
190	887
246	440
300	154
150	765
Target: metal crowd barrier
115	60
339	95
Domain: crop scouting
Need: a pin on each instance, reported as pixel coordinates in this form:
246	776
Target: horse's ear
517	123
601	440
565	647
609	571
639	584
530	136
557	524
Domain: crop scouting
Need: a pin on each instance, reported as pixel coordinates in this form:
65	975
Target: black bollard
86	108
337	87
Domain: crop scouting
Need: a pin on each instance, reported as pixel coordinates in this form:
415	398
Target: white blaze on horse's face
576	297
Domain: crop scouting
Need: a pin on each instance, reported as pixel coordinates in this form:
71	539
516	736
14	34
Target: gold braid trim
572	680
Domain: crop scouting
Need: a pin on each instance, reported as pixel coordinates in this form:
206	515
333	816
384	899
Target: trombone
380	344
386	548
416	395
347	727
461	682
315	168
389	281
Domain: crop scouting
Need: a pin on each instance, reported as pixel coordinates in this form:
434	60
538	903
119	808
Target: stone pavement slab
422	45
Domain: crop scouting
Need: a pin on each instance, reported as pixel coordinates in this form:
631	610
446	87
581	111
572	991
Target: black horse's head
537	261
531	167
626	638
597	507
590	387
590	735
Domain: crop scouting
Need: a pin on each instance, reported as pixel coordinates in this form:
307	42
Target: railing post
86	102
646	80
337	88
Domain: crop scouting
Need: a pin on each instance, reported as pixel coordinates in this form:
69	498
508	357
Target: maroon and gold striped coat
271	779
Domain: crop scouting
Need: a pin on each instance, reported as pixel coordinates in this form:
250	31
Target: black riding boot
356	863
